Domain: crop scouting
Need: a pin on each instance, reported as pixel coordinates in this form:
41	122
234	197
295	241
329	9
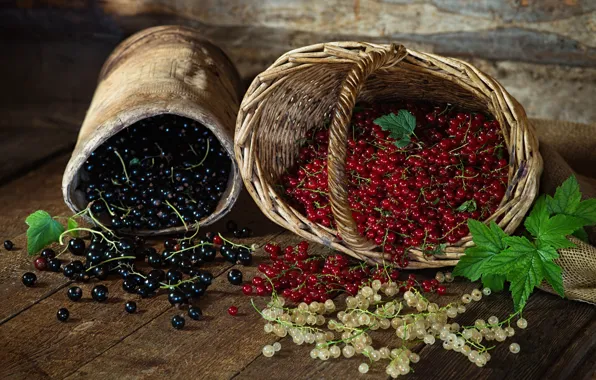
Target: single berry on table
130	307
63	314
233	310
29	279
235	277
99	293
75	293
247	289
195	313
178	322
54	265
40	263
8	245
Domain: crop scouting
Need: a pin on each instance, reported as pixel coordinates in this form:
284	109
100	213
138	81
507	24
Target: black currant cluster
144	270
160	172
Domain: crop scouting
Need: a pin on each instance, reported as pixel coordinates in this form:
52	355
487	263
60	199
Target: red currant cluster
421	195
300	277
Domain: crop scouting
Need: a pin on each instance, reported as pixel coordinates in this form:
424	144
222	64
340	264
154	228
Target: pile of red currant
455	167
300	277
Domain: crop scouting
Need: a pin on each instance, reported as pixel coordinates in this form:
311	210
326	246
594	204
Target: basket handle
367	63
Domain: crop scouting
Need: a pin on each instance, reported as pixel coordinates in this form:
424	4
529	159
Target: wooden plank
550	31
25	148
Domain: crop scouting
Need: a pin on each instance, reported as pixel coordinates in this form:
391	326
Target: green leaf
469	205
587	211
489	242
400	126
538	216
554	230
496	282
43	230
567	198
553	275
523	281
134	161
489	238
72	224
582	235
471	264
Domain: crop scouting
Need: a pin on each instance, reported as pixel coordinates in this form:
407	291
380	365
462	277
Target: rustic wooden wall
543	51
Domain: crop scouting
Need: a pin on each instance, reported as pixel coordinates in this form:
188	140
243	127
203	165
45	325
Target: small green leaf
43	230
496	282
469	205
134	161
400	126
587	211
523	281
72	224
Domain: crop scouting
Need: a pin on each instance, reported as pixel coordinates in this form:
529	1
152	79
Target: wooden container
307	85
161	70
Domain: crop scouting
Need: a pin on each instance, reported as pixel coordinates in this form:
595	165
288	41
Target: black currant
178	322
129	285
154	260
244	257
99	293
235	277
8	245
156	275
174	276
130	307
195	313
206	278
62	314
54	265
48	253
77	246
176	297
75	293
29	279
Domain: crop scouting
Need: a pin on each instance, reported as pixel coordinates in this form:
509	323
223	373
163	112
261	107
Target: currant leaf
496	282
400	126
553	275
43	230
469	205
471	265
567	198
72	224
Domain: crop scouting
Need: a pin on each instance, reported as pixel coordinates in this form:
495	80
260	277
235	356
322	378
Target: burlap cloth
570	148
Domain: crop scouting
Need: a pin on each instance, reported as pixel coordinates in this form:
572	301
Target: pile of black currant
176	270
160	172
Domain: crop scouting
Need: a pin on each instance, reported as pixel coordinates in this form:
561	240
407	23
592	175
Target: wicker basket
307	85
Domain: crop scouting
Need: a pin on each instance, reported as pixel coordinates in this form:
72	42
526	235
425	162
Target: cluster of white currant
376	306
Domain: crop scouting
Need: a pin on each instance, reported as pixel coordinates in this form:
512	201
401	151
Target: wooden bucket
307	85
161	70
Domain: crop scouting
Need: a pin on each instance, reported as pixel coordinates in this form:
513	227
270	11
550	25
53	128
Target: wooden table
102	341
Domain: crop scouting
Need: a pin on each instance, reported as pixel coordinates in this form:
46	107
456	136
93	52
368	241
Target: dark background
543	52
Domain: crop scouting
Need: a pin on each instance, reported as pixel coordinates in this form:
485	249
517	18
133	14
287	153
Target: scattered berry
130	307
75	293
232	310
99	293
29	279
8	245
40	263
48	253
178	322
235	277
63	314
195	313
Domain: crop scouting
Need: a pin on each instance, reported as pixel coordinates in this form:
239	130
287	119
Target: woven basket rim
521	141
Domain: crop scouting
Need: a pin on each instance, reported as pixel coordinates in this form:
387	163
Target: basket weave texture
306	86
